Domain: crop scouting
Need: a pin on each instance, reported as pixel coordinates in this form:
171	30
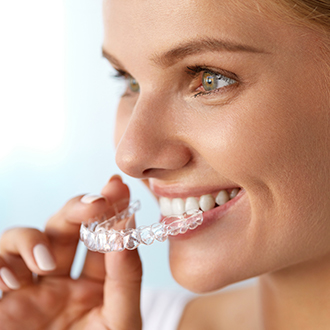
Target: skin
268	134
105	296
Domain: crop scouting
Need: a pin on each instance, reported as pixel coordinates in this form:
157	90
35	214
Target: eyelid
193	71
196	71
127	78
120	74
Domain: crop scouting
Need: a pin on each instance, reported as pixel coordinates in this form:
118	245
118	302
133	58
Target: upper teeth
205	203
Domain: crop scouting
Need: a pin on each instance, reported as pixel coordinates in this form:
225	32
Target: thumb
121	307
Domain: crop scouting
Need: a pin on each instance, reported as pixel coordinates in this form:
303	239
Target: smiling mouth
175	206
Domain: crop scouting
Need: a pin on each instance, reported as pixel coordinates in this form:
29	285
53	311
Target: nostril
140	162
148	171
152	171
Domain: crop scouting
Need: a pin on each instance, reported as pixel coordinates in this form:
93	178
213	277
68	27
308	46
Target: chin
200	274
215	254
198	281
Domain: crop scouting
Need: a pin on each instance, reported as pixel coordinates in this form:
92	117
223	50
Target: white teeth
165	206
222	197
234	193
206	202
191	204
178	206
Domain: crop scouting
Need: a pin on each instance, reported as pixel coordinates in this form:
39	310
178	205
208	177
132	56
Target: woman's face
226	98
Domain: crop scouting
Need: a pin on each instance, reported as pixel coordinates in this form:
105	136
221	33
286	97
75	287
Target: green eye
133	85
213	81
209	81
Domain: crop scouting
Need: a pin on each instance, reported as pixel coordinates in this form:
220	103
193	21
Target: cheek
122	119
276	147
275	139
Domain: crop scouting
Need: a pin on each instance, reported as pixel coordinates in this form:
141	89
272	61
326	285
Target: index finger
63	228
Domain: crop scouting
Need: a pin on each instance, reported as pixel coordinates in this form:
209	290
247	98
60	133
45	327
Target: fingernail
116	177
89	198
43	258
9	278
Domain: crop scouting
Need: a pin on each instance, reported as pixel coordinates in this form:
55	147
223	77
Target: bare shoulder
232	309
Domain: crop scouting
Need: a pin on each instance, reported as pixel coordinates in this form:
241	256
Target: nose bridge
150	142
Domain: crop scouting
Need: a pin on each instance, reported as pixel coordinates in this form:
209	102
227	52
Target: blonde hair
312	13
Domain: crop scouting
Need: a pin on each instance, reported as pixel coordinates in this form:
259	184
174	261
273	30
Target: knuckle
14	237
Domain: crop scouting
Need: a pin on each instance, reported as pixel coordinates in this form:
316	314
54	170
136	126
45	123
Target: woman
224	98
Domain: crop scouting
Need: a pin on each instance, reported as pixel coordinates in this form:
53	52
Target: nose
151	144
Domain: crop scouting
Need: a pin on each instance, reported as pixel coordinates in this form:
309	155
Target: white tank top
162	309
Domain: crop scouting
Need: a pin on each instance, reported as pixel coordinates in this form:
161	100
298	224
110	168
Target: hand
105	296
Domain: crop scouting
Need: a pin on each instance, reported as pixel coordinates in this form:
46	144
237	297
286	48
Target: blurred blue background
57	108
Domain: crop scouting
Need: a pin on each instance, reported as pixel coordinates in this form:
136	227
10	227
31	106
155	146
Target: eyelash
193	71
120	74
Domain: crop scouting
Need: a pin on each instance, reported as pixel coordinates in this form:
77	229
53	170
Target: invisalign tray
99	235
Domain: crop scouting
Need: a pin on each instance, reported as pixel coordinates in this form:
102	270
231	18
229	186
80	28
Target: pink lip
210	217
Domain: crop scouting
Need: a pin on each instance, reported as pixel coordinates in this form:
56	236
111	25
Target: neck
297	297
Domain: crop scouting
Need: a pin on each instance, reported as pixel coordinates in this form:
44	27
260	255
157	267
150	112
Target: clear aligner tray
99	235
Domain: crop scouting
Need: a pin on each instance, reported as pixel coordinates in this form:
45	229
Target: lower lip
209	217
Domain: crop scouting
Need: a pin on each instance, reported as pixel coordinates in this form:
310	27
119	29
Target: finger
94	267
115	191
122	287
8	279
19	269
30	246
14	260
63	228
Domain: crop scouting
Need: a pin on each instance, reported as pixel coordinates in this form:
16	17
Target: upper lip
177	191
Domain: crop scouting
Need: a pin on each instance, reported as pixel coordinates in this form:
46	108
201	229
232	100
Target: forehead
137	30
153	26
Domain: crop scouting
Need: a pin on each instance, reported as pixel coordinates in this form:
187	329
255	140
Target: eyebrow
193	47
199	46
115	62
